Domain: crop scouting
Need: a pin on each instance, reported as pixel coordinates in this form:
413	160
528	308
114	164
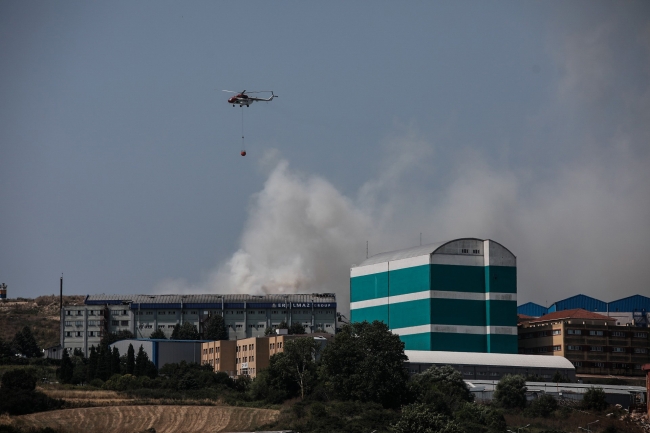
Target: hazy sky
524	122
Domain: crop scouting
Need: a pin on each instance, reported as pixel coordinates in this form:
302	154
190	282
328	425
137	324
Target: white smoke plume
576	215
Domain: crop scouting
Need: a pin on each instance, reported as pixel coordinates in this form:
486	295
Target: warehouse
630	311
457	296
246	316
491	366
162	352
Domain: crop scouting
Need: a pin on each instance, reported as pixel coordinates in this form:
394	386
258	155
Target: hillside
40	314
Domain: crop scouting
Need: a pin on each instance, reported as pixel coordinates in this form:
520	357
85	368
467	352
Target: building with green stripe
458	296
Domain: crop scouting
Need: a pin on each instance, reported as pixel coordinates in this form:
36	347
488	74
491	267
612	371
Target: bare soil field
130	419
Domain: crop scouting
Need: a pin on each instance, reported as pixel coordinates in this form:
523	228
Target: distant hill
40	314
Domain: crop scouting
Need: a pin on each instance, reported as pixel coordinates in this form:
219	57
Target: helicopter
242	98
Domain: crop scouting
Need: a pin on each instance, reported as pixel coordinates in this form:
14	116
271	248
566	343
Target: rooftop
208	298
575	314
494	359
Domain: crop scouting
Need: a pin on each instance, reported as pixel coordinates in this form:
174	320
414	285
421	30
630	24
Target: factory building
630	311
593	342
246	316
458	296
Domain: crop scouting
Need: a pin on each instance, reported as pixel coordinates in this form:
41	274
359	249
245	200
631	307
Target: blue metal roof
630	304
531	309
579	301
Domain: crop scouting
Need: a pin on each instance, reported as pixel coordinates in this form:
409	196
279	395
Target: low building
162	352
246	316
490	366
593	342
249	356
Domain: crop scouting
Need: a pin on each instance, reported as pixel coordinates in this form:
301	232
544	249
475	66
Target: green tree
93	361
559	378
115	361
158	334
283	325
143	366
23	379
25	343
112	337
67	368
214	328
130	360
297	366
421	418
269	331
5	349
186	331
442	387
296	328
594	399
365	361
510	392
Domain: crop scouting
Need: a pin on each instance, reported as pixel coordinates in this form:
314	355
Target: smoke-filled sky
524	122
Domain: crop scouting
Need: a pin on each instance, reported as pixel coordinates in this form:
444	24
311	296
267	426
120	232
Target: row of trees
104	363
23	344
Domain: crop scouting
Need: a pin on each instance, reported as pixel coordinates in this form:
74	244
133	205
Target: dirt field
130	419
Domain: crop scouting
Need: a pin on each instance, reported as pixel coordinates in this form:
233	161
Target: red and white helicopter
242	98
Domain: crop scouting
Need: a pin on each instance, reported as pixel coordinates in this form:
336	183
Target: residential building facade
592	342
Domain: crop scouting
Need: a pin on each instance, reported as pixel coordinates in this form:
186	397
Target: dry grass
76	394
128	419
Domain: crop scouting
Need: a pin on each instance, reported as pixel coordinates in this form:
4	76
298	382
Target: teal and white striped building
458	296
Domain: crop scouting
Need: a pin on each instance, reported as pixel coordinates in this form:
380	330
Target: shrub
594	399
510	392
543	406
477	418
20	379
420	418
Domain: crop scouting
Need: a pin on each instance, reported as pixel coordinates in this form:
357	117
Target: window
161	313
574	331
596	348
574	347
482	373
557	332
618	334
124	323
328	325
252	358
240	326
80	313
598	333
78	334
68	323
557	348
93	323
476	251
618	349
542	349
115	323
68	313
240	312
251	326
464	251
78	323
599	364
91	312
577	363
161	326
640	335
640	350
68	334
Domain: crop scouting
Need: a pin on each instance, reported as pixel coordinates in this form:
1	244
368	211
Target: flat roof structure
488	359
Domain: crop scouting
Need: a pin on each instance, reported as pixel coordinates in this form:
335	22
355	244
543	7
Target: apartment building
246	316
249	356
592	342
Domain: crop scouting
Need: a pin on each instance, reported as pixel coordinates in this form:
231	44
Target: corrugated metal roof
403	254
630	304
494	359
579	301
531	309
211	298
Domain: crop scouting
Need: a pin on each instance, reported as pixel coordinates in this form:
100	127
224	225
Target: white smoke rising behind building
571	200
